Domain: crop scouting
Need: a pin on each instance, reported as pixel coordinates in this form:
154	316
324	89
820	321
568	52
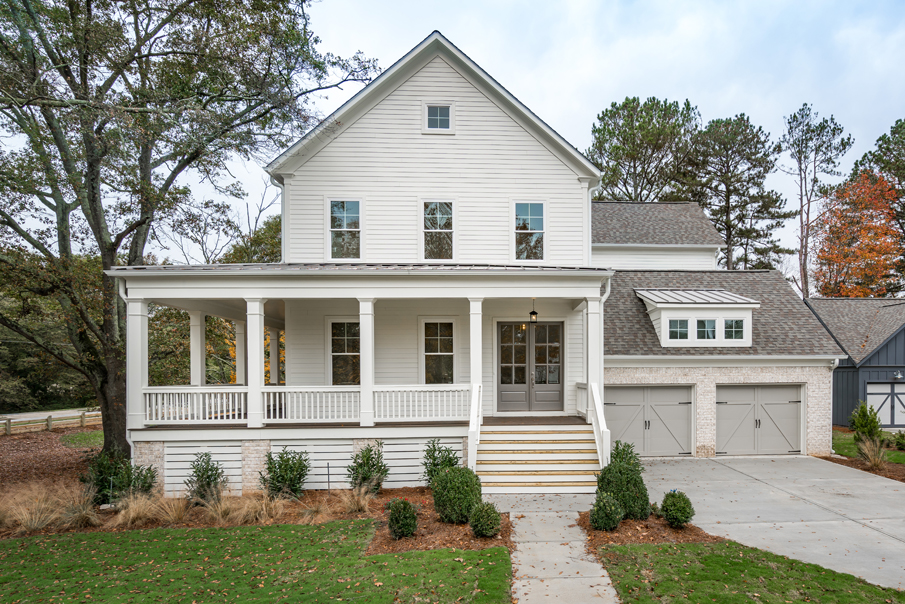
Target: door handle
532	378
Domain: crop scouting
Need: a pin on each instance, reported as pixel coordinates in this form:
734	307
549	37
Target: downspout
283	240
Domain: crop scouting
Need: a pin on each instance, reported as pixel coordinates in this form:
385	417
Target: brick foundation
254	455
150	454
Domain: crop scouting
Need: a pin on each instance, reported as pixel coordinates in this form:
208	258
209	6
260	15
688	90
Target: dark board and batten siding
850	382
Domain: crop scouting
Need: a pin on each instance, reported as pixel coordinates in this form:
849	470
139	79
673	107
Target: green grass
289	563
844	444
729	573
83	440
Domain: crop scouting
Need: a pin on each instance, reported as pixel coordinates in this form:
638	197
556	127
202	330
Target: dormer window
678	329
438	117
699	318
734	329
707	329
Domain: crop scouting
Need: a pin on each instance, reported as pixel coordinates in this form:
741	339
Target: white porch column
240	353
254	319
198	347
595	345
136	362
274	355
476	346
366	360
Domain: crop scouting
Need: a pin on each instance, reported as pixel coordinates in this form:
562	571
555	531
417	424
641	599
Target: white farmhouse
446	275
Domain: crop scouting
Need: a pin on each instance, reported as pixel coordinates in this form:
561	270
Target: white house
446	275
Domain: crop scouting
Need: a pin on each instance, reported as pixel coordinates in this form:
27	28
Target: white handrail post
255	325
595	352
366	360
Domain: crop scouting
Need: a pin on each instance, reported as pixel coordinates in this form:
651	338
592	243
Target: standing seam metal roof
693	296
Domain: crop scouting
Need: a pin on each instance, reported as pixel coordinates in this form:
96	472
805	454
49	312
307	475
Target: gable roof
432	46
782	325
662	223
860	325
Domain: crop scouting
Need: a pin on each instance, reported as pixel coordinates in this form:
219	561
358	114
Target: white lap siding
178	458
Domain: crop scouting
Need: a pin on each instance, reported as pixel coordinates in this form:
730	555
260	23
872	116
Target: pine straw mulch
654	530
893	471
41	457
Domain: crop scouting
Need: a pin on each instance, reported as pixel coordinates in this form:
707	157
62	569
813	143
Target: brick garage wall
150	454
254	454
818	395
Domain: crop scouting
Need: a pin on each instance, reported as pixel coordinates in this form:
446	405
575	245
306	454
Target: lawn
844	444
83	440
729	573
294	563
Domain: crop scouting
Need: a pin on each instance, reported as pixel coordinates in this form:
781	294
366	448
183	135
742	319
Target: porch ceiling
230	309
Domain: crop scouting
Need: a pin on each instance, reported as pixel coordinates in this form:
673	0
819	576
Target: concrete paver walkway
805	508
550	563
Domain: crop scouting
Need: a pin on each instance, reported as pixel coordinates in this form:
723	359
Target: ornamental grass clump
208	480
436	459
676	509
285	473
606	514
456	493
367	467
873	452
403	520
485	520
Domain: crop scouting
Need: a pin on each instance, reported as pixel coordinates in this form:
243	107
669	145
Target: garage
758	420
889	401
656	419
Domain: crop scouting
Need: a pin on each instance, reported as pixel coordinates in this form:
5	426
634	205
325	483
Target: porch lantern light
533	313
897	375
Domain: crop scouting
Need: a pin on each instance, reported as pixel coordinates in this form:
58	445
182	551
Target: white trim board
718	361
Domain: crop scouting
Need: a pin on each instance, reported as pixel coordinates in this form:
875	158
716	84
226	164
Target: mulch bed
650	531
894	471
41	457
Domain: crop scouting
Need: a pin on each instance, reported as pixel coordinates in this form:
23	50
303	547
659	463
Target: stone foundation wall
254	454
817	395
150	454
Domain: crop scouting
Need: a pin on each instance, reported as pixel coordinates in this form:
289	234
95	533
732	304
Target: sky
567	61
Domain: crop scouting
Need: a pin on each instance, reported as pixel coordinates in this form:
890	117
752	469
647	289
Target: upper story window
529	231
345	355
734	329
438	117
678	329
438	230
706	329
345	229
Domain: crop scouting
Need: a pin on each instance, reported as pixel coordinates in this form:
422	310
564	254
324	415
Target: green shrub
865	423
403	519
285	473
624	453
456	492
208	480
111	475
437	459
484	520
677	509
367	467
625	484
606	514
899	440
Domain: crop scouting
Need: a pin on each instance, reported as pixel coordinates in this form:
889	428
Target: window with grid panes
547	354
345	229
529	231
438	230
438	353
706	329
734	329
438	117
514	354
345	354
678	329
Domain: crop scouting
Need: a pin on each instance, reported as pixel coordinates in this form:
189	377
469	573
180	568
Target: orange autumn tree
858	241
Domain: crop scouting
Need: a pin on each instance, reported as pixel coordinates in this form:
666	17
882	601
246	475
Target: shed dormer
699	317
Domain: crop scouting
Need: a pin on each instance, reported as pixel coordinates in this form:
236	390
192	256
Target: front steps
537	459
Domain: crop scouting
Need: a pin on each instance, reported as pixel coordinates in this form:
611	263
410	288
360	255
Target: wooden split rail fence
85	418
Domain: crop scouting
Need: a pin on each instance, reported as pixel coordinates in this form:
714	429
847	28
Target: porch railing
197	405
581	404
311	404
422	403
598	422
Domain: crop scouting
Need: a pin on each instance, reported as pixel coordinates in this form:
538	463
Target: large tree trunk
112	399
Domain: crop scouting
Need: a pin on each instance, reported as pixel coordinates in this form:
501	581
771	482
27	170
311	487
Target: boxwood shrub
606	513
403	519
623	481
676	509
485	520
456	492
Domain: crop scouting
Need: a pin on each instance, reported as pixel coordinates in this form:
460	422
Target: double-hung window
529	231
439	358
345	353
706	329
678	329
438	230
345	229
734	329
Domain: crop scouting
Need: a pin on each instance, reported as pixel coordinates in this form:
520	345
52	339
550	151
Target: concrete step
539	487
537	455
485	466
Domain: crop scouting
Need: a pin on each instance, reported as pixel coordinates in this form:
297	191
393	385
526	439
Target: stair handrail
474	425
598	423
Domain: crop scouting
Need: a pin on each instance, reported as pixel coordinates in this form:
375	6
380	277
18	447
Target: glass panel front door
530	371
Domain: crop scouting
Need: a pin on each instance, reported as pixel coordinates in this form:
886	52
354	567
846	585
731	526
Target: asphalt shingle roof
664	223
860	325
783	325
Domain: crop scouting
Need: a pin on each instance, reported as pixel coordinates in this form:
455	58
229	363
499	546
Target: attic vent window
438	117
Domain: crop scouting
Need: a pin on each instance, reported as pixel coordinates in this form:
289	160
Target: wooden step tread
536	442
537	472
541	484
537	461
537	432
536	452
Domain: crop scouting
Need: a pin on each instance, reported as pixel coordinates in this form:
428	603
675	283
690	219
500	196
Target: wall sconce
897	375
533	314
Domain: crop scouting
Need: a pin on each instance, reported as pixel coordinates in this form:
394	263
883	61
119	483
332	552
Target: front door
530	367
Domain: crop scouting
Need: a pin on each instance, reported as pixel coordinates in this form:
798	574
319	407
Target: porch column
240	353
366	360
595	345
476	346
254	318
136	362
198	347
274	355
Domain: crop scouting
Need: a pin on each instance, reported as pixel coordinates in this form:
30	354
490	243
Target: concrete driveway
801	507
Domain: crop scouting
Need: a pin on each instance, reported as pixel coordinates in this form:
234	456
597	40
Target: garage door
656	419
889	401
758	420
